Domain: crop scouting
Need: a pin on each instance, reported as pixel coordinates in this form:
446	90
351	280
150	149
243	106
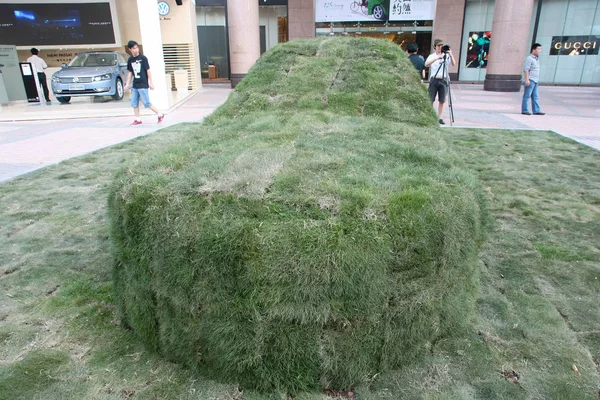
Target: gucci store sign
574	45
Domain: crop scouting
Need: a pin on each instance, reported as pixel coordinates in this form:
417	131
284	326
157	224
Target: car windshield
93	60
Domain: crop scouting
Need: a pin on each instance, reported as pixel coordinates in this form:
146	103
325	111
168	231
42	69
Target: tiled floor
81	107
29	145
570	111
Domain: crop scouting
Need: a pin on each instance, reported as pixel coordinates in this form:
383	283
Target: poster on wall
344	10
373	10
56	24
412	10
478	48
574	45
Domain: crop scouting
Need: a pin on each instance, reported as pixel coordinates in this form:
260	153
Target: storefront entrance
213	43
401	33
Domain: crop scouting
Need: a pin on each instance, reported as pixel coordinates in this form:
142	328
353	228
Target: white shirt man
40	65
438	75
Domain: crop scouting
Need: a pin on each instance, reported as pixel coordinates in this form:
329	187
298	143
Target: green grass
53	232
297	245
537	313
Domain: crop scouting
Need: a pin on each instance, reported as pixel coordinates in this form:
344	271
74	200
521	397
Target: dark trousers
42	79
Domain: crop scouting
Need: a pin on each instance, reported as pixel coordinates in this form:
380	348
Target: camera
445	48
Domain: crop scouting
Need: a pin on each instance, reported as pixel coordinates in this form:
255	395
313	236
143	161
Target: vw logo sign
163	8
76	79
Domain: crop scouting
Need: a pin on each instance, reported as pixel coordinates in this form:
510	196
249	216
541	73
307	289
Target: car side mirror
63	65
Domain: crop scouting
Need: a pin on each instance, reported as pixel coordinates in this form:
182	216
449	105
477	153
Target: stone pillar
509	46
301	22
244	37
447	25
151	41
193	26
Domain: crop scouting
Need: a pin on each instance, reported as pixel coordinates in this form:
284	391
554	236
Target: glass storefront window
399	32
273	23
477	37
569	32
212	43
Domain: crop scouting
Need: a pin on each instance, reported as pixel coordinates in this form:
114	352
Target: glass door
212	43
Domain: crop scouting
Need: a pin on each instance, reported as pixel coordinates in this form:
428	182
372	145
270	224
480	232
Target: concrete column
151	42
447	25
509	46
301	19
195	49
244	37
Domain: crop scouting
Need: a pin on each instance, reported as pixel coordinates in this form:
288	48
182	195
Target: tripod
446	76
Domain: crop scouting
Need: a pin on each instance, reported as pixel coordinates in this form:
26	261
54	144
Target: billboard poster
56	24
373	10
574	45
412	10
343	11
478	49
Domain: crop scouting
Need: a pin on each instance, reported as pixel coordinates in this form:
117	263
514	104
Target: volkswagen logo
76	79
163	8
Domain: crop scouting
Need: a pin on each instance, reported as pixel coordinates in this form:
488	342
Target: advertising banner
343	11
478	49
373	10
412	10
574	45
56	24
11	73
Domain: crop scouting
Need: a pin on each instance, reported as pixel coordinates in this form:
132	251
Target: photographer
438	63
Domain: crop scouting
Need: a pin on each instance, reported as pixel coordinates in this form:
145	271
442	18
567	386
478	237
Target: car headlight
55	79
104	77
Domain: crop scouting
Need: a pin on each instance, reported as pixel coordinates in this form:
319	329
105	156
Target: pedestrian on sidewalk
417	60
40	65
139	70
531	69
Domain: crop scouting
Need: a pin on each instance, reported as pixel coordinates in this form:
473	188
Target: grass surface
538	313
313	233
535	334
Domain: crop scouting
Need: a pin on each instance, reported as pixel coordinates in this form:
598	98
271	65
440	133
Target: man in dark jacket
416	60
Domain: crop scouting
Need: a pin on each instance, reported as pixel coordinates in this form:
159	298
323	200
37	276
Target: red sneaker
136	122
160	118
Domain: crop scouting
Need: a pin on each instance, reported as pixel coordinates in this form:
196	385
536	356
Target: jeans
136	94
530	91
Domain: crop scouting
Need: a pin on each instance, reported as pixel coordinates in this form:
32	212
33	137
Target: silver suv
99	73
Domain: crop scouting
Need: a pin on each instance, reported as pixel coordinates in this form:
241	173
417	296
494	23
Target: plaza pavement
570	111
27	145
56	134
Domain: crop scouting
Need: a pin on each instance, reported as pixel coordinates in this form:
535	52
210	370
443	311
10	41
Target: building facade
219	40
495	36
489	38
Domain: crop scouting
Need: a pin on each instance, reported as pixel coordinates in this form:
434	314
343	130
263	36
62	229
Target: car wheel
119	91
378	12
64	99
